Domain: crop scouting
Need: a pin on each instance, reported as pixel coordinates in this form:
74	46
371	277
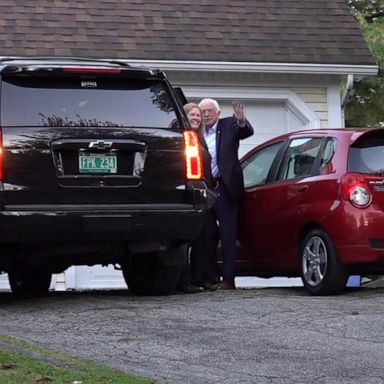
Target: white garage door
4	282
269	119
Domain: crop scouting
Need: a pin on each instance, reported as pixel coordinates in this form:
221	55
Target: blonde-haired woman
201	272
194	116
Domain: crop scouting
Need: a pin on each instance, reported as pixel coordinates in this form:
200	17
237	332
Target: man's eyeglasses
209	111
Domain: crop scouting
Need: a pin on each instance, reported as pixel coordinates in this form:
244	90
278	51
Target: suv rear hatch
90	135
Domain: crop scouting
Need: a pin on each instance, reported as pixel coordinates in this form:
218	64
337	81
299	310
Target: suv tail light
193	156
355	189
1	155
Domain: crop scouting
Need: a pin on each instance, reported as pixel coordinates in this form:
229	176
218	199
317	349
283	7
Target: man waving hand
222	136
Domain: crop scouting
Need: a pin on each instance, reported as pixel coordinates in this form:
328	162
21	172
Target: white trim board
228	66
335	117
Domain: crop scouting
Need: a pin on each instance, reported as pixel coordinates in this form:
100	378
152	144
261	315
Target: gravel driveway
270	335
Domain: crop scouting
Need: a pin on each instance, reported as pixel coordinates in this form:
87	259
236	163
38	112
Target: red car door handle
302	188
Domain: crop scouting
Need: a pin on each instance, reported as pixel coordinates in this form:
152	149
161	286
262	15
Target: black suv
97	166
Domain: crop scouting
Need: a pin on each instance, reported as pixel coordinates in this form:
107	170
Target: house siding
316	99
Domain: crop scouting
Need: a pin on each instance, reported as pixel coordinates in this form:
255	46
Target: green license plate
97	163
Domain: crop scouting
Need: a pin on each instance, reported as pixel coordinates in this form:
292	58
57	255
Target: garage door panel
269	119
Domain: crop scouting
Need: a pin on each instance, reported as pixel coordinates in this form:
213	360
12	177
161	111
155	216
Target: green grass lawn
26	363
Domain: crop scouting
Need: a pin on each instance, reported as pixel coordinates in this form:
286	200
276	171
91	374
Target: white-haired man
222	136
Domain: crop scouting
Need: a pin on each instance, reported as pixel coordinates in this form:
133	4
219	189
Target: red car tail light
193	156
355	189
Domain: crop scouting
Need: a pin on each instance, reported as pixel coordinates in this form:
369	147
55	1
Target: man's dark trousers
225	209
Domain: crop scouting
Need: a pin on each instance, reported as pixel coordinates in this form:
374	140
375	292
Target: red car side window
299	158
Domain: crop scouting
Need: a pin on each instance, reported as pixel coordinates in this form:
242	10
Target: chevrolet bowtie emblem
100	144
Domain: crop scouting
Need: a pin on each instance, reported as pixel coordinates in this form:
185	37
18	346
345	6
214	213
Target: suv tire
33	281
148	274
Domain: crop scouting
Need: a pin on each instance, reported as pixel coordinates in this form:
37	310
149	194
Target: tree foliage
365	105
370	10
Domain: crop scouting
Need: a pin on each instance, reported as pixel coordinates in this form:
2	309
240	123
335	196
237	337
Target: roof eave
229	66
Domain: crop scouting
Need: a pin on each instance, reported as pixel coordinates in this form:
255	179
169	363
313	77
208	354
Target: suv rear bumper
99	223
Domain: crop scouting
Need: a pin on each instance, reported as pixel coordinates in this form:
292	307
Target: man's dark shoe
210	286
190	288
226	285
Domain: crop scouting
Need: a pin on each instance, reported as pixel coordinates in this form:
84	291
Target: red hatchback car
314	208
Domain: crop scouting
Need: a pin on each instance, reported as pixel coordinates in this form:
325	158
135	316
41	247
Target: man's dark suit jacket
228	135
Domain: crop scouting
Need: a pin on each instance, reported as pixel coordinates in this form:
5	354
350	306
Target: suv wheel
320	268
29	281
147	274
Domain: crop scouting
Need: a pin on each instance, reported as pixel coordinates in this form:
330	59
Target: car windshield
367	156
75	102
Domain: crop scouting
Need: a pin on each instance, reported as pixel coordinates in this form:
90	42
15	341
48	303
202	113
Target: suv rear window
367	155
74	101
